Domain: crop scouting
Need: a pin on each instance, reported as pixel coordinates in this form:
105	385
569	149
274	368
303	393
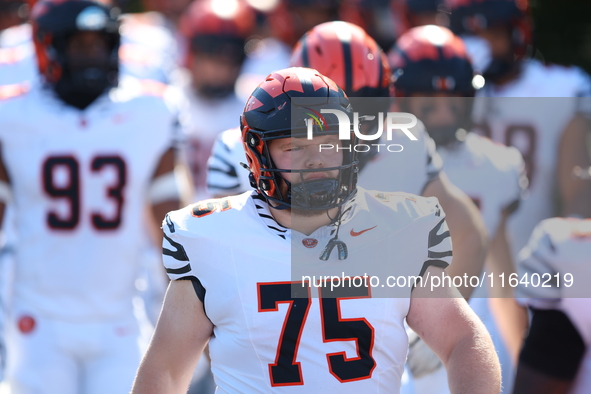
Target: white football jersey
559	247
79	180
266	341
530	114
206	119
225	175
408	171
491	174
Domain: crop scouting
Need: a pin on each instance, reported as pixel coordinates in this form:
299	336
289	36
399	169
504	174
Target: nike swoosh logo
356	234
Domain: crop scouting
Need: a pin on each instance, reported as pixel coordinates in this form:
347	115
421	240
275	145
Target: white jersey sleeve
225	175
558	252
409	170
537	257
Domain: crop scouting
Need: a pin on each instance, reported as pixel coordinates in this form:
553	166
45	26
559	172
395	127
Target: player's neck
303	223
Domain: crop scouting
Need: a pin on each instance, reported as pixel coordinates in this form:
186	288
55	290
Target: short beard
306	213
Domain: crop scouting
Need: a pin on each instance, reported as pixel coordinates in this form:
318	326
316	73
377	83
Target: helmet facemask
77	45
305	196
84	78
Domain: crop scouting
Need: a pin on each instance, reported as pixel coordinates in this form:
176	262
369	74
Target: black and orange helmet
216	27
55	21
346	54
280	107
431	59
470	16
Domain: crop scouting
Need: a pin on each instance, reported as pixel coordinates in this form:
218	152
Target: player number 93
537	280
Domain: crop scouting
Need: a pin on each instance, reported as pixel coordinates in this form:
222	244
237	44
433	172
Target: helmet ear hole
264	185
253	140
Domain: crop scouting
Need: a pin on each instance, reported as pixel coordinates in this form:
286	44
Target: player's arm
551	355
443	319
510	317
181	334
466	227
169	186
573	151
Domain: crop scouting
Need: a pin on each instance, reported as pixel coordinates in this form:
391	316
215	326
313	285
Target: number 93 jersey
79	180
555	273
268	339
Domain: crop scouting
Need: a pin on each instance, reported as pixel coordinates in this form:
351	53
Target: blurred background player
556	354
216	32
434	75
534	107
149	48
80	167
286	21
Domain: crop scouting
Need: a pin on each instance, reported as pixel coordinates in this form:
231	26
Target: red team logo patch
310	242
26	324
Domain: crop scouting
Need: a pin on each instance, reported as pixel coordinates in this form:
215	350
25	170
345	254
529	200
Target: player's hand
421	359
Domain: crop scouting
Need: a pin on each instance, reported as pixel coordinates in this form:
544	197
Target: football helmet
346	54
54	23
281	107
431	59
428	60
468	17
216	32
219	27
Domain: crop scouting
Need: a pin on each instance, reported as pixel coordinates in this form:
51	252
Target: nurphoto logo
392	123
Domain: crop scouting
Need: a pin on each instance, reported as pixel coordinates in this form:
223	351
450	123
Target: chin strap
343	253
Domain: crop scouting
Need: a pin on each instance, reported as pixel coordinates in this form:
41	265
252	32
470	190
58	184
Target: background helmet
218	27
346	54
428	60
268	115
431	59
54	23
470	16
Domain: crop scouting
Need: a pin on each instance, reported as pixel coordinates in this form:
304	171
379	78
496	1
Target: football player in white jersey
217	36
148	50
435	77
531	106
81	159
237	255
554	276
346	54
